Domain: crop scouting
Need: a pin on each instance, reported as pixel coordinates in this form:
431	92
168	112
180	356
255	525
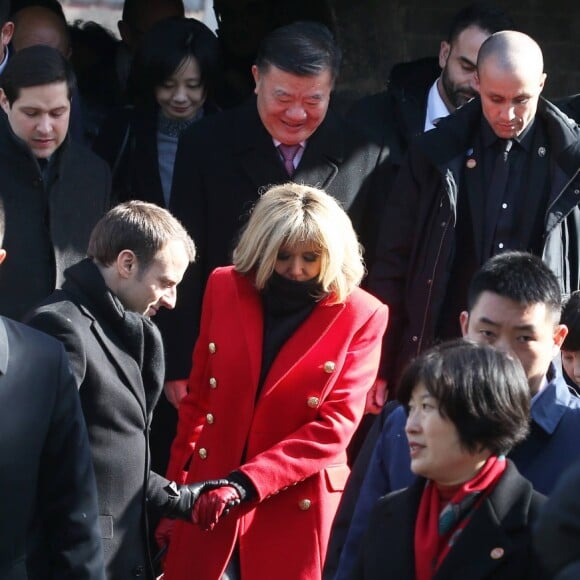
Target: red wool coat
290	442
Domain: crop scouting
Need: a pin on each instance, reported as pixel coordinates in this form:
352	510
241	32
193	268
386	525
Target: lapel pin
497	553
542	151
471	163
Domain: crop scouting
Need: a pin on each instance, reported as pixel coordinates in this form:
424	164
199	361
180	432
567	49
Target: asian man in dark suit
286	133
48	517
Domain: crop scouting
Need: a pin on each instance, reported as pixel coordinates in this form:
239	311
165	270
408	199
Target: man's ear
477	83
464	322
560	333
444	50
6	33
256	75
4	101
2	255
126	264
543	81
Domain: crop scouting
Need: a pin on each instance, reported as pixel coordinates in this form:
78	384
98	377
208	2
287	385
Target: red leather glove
376	397
214	504
163	532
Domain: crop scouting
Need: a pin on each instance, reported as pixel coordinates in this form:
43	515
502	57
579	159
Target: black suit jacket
48	511
504	520
222	164
118	410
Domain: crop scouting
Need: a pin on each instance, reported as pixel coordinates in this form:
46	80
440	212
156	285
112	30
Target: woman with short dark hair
470	513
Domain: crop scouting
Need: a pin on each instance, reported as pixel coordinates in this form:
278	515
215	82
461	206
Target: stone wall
375	34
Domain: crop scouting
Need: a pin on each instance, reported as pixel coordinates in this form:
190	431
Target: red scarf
431	547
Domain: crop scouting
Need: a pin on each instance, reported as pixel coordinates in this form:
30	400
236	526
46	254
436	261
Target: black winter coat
416	250
496	544
47	225
119	382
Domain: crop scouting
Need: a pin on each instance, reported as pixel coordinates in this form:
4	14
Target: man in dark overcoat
137	253
53	190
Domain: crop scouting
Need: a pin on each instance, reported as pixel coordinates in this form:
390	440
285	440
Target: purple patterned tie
288	153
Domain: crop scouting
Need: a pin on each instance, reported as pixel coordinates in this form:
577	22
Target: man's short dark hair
133	8
4	11
139	226
571	318
302	48
519	276
486	15
35	66
53	5
483	391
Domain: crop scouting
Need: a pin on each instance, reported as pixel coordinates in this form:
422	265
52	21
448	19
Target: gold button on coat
211	347
304	504
203	453
213	383
313	402
209	418
329	366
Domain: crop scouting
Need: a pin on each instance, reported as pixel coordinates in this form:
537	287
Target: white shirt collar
5	60
436	108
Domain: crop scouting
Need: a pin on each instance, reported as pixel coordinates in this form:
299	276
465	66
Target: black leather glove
181	498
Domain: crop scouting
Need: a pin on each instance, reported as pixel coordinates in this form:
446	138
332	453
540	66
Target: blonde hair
291	214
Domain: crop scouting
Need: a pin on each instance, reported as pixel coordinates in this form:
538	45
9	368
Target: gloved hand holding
181	498
212	505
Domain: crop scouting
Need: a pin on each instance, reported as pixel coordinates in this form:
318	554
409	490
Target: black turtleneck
287	303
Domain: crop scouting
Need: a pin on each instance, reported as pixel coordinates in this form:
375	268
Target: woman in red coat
288	349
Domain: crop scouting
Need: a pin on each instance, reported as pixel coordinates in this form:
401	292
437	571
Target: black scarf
136	334
287	303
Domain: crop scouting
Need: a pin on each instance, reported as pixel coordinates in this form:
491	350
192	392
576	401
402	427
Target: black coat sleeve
557	536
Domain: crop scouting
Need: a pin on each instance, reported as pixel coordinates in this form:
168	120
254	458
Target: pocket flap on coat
336	477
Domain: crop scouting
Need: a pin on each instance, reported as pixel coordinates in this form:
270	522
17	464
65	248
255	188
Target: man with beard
421	92
500	174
